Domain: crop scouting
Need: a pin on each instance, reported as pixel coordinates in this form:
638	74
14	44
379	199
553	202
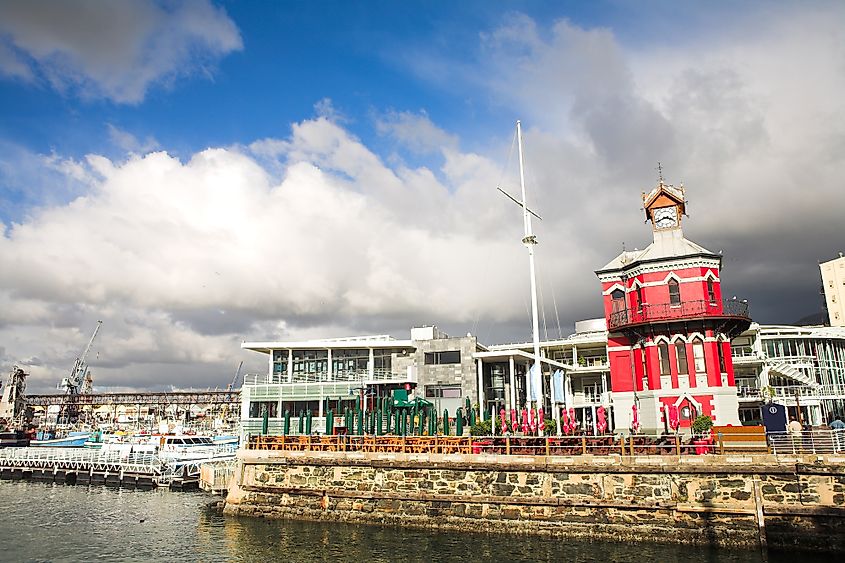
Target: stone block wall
700	500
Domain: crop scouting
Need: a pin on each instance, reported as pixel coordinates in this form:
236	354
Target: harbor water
48	522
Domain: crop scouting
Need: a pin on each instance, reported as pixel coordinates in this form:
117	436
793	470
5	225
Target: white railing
789	392
807	442
81	459
325	377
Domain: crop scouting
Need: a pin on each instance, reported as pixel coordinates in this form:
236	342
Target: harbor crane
79	380
74	383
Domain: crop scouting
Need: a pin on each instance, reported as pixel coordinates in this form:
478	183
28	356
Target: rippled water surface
41	522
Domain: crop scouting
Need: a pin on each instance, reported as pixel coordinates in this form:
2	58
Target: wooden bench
740	439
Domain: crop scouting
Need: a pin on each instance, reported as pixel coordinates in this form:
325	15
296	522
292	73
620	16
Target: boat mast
529	240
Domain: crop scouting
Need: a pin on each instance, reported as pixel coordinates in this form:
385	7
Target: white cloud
129	142
313	234
416	131
114	49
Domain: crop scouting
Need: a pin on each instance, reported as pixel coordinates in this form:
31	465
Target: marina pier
736	500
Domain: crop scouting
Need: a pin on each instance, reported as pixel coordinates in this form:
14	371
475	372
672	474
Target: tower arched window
639	298
674	292
711	292
698	356
663	352
617	300
681	353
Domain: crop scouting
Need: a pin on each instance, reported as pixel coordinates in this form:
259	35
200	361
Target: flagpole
529	240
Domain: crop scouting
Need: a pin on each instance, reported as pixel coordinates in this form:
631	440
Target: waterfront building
800	367
667	340
833	285
360	370
669	329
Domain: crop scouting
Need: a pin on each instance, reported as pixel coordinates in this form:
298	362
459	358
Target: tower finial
659	173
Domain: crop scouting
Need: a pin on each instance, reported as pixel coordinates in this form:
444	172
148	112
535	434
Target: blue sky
199	173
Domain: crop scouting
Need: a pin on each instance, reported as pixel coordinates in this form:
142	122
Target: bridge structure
185	398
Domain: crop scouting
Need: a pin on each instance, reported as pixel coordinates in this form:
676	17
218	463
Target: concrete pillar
480	371
329	374
513	404
290	365
371	365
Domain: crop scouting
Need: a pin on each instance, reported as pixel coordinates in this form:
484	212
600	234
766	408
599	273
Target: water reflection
64	523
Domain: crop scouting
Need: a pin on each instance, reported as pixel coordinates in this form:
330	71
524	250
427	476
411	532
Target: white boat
173	448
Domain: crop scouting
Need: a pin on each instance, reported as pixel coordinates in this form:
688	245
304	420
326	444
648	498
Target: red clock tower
669	330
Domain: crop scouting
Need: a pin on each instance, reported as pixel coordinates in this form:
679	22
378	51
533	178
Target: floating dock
79	466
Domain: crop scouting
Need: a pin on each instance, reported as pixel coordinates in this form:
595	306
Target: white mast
529	240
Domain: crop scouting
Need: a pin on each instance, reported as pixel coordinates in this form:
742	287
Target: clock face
665	217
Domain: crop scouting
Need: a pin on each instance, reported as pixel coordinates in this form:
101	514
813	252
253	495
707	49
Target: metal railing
359	376
681	311
789	392
735	441
81	459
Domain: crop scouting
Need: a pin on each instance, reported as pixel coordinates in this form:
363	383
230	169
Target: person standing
794	429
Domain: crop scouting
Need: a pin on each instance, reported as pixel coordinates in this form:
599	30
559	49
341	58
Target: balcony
736	312
362	377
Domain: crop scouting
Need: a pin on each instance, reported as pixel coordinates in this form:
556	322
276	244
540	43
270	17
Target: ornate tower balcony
731	315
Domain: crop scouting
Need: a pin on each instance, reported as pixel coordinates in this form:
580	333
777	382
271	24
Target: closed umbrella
459	422
301	422
265	421
330	422
445	422
286	429
308	416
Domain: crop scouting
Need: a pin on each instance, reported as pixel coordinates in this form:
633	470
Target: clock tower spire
664	205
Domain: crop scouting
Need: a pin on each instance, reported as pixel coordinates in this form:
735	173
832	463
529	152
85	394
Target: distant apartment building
833	284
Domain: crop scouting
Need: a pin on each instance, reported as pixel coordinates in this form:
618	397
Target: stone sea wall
718	500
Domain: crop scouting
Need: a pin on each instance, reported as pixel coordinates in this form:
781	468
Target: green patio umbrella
445	422
379	423
432	422
398	429
360	416
459	422
301	422
330	422
286	429
265	421
471	420
308	416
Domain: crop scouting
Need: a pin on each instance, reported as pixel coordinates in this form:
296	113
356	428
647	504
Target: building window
443	392
711	292
257	409
438	358
663	352
645	367
280	362
617	300
681	353
350	360
639	298
721	353
698	356
674	292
